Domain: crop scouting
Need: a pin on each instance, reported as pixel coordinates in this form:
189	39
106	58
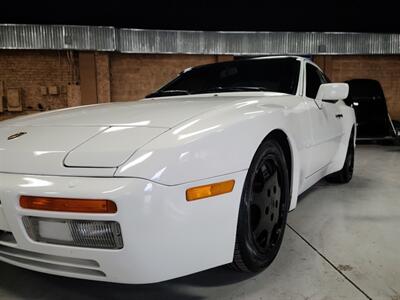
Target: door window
313	80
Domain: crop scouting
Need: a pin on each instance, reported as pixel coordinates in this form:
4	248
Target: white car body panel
111	147
195	144
144	156
158	226
156	113
42	151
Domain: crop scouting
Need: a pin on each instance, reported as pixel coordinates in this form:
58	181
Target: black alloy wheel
263	210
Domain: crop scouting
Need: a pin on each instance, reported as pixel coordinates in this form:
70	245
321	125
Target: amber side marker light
209	190
68	205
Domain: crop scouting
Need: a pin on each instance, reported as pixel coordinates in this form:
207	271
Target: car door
326	126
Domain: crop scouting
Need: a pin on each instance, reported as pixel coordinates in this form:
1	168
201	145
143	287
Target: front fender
220	142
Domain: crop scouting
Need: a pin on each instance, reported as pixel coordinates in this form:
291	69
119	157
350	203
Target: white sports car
201	173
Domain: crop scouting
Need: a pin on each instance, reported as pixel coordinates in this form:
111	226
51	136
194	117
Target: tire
263	209
346	173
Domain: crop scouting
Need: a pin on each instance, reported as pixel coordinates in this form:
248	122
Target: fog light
78	233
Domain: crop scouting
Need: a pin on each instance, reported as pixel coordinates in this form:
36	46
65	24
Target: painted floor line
330	263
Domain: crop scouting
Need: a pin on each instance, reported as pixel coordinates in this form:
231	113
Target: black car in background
368	100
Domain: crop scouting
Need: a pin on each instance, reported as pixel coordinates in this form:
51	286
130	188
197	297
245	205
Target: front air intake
77	233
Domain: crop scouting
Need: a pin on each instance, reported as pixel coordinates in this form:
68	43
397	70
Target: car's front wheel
263	209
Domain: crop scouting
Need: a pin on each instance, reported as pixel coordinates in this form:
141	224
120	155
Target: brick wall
119	77
103	77
29	70
133	76
123	77
385	69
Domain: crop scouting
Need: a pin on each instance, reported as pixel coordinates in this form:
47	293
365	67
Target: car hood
66	141
49	150
162	113
96	139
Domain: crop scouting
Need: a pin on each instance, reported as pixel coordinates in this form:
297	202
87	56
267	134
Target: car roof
297	57
252	59
280	56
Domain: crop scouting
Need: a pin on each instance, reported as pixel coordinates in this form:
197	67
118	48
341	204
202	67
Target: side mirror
331	91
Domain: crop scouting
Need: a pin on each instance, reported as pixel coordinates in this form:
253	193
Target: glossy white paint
43	149
331	91
144	155
148	113
164	235
111	147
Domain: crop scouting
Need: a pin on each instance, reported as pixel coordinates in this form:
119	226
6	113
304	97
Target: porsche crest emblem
17	135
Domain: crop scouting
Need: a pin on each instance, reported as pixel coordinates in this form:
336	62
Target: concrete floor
342	242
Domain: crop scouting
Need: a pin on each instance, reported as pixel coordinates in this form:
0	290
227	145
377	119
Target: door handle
339	116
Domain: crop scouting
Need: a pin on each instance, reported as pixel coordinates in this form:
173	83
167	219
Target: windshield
275	75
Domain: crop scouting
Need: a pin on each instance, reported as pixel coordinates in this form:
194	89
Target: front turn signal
209	190
68	205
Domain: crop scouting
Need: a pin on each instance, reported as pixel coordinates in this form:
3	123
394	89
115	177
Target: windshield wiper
167	93
222	89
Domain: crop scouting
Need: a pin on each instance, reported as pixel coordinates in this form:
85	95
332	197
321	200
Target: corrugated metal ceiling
57	37
63	37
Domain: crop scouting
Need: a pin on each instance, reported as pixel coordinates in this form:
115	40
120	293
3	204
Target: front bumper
164	235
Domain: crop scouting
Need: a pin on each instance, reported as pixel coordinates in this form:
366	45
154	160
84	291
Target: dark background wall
384	68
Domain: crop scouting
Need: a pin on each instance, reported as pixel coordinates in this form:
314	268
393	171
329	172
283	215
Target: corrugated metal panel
256	43
57	37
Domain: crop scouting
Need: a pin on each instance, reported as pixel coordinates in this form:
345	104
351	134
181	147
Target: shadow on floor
24	284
